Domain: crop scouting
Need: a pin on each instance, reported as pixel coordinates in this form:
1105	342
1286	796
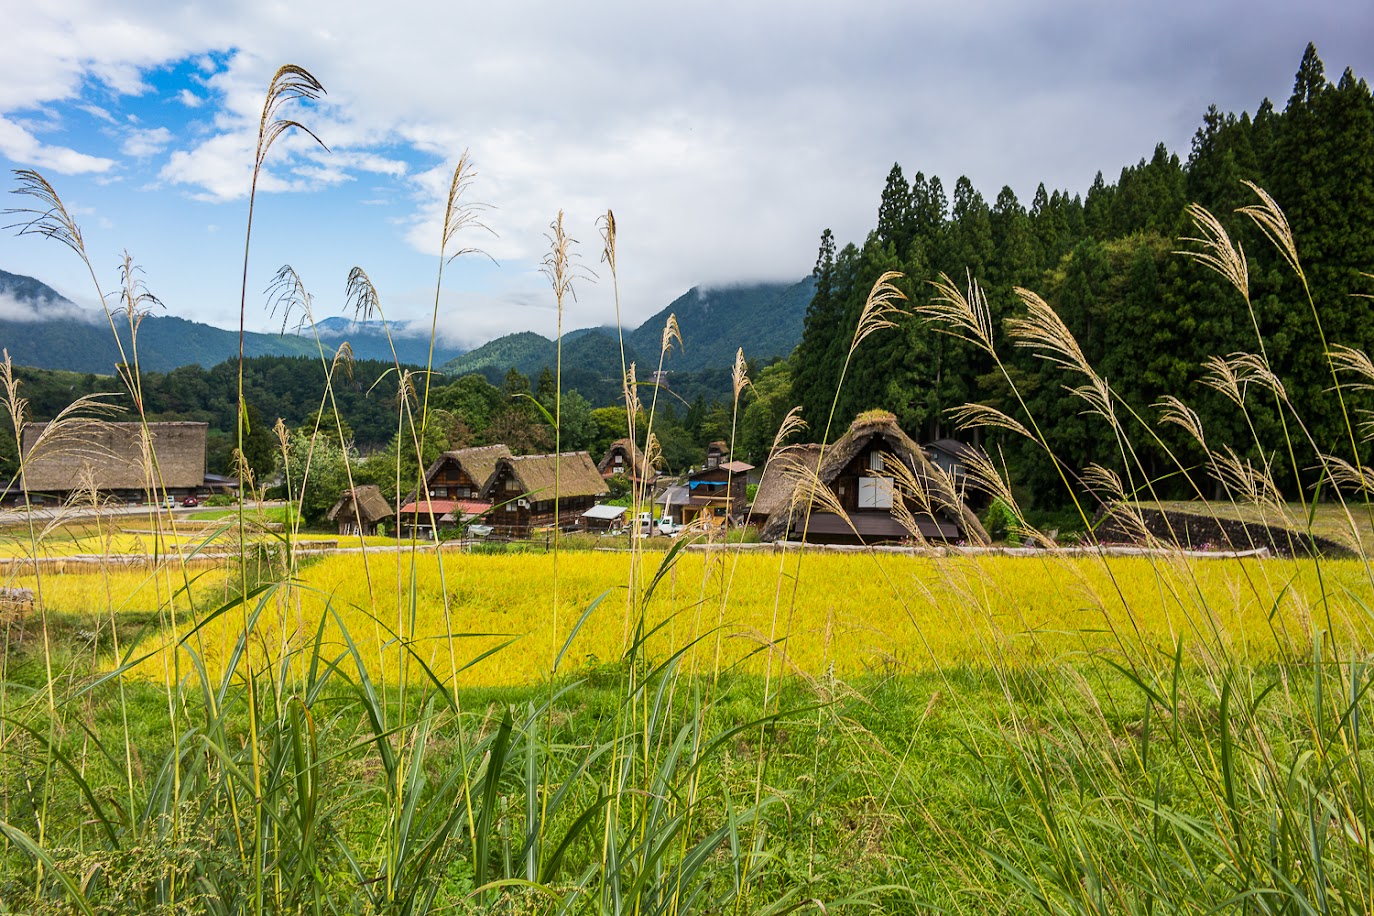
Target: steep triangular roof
865	428
477	462
780	478
371	504
642	469
574	473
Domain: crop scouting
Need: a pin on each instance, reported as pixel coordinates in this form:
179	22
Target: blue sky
725	137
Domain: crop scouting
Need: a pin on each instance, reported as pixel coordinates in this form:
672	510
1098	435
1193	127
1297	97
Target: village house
714	496
868	470
625	460
453	484
111	459
716	453
540	491
787	466
953	457
359	510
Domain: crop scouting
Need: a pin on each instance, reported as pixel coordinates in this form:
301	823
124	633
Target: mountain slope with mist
39	327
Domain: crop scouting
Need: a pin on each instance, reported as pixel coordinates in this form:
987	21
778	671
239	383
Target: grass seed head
362	295
960	314
881	308
1215	250
50	218
1269	217
671	332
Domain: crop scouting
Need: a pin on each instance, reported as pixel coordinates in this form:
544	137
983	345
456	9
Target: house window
875	461
875	492
618	469
441	492
712	460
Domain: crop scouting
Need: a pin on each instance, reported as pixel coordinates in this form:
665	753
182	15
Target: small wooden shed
359	510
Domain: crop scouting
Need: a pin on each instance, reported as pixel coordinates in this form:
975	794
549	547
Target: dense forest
362	401
1108	262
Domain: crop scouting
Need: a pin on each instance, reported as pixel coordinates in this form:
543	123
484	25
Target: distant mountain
39	327
369	340
764	318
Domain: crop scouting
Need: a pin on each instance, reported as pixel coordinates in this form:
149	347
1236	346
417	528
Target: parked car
646	524
190	502
169	501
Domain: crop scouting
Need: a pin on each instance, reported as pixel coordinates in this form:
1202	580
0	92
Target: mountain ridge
765	319
40	327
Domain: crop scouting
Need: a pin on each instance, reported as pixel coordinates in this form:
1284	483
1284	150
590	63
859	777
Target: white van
646	524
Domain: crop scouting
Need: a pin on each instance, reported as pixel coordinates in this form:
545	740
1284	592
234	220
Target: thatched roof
574	473
477	462
113	455
641	468
780	478
367	502
865	428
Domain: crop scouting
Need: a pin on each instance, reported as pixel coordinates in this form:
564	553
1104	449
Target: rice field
813	616
142	540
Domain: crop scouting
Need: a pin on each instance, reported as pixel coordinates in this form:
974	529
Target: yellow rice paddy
818	613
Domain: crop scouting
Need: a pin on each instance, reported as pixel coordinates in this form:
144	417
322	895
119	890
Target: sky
724	136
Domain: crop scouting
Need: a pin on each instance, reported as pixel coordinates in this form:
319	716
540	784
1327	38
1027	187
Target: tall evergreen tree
895	218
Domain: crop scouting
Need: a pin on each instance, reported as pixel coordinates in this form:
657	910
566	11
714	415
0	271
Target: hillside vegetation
765	319
1152	321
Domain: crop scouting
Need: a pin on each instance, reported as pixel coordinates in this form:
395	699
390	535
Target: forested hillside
765	319
1146	317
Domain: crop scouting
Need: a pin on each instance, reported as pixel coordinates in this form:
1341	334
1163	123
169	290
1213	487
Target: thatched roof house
525	487
113	457
359	510
536	476
856	470
780	478
624	458
465	469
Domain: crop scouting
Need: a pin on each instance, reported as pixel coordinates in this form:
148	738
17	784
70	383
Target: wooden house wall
515	520
454	482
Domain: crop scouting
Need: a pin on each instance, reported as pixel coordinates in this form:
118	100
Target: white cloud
29	310
723	152
23	147
144	143
96	111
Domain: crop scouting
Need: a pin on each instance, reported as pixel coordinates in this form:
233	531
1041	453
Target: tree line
359	416
1145	317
